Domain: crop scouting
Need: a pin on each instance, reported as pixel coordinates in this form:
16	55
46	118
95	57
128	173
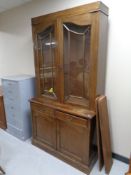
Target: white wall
16	56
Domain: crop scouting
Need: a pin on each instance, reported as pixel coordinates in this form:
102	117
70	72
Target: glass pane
47	45
76	60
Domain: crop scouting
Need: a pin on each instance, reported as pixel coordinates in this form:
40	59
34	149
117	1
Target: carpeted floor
22	158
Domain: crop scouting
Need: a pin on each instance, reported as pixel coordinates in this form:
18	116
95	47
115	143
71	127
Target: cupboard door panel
44	128
73	140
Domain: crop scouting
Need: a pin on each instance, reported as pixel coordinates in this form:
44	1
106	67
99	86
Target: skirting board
121	158
117	157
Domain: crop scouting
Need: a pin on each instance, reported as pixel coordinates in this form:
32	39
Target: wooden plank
98	135
105	132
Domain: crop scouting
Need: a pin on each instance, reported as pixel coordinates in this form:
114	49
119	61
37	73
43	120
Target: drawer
11	119
15	107
11	93
11	99
10	89
71	119
14	116
9	84
43	110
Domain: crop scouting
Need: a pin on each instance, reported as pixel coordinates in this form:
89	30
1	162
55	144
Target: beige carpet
22	158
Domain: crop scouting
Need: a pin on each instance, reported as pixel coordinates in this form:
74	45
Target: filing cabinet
17	91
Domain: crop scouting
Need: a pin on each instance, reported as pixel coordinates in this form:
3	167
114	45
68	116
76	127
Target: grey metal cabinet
17	91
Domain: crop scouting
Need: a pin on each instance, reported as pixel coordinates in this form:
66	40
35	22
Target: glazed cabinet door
73	137
78	58
46	60
44	126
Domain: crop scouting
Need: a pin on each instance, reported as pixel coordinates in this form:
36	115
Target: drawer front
10	89
43	110
12	107
11	99
14	115
9	84
71	118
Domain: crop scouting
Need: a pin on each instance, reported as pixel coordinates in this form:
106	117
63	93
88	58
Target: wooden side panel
2	113
98	135
105	132
102	53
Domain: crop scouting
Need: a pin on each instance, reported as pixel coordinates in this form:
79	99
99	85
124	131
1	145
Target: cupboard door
77	45
46	60
44	127
73	137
